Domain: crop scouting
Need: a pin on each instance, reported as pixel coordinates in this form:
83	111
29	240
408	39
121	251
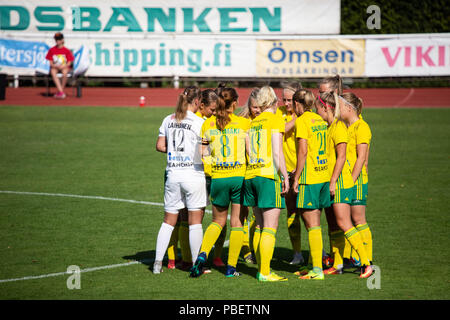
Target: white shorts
189	194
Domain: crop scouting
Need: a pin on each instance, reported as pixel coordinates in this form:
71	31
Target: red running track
167	97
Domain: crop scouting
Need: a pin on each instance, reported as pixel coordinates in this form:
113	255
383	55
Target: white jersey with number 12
183	138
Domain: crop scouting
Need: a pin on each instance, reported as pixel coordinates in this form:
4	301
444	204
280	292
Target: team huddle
310	153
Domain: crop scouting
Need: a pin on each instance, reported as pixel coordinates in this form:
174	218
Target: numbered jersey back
183	145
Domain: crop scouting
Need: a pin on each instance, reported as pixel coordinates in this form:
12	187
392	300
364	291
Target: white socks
165	232
162	242
195	239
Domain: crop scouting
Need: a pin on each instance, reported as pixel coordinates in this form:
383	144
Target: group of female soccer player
268	157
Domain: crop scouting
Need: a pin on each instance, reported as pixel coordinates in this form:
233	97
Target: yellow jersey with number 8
260	157
227	146
311	127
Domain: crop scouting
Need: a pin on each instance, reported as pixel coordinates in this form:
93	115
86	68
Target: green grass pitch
110	152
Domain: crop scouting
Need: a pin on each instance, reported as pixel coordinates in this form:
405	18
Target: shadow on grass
280	261
145	257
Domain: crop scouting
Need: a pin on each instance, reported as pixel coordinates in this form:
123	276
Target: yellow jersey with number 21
311	127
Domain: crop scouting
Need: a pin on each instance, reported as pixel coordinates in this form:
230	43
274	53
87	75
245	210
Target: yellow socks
256	240
173	243
266	248
354	238
211	234
366	236
183	236
236	238
294	227
337	239
315	246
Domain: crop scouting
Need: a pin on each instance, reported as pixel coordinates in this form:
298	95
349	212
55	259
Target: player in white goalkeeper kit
185	187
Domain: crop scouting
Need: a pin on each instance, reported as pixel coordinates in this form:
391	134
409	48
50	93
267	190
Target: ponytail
184	100
224	107
220	87
335	83
330	99
305	97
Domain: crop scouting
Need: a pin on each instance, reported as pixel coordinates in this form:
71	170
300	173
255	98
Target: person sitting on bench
61	61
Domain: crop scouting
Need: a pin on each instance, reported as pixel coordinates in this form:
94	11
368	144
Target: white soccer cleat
297	259
157	267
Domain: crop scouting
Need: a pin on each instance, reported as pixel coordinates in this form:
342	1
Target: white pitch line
87	197
82	197
67	273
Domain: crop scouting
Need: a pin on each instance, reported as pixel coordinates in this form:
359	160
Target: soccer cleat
157	267
206	270
218	262
313	275
271	277
351	263
250	258
303	270
327	261
197	269
231	272
297	259
366	271
333	270
171	264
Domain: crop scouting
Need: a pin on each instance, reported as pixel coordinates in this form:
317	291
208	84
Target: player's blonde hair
184	100
305	97
351	99
245	111
335	83
266	98
291	85
330	100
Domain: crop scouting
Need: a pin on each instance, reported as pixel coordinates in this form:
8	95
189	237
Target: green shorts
360	193
313	196
226	190
263	193
342	196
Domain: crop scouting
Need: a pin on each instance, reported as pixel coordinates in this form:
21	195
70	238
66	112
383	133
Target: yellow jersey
311	127
289	141
227	146
358	133
337	133
260	160
200	115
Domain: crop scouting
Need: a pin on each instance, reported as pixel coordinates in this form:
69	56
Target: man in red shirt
61	61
